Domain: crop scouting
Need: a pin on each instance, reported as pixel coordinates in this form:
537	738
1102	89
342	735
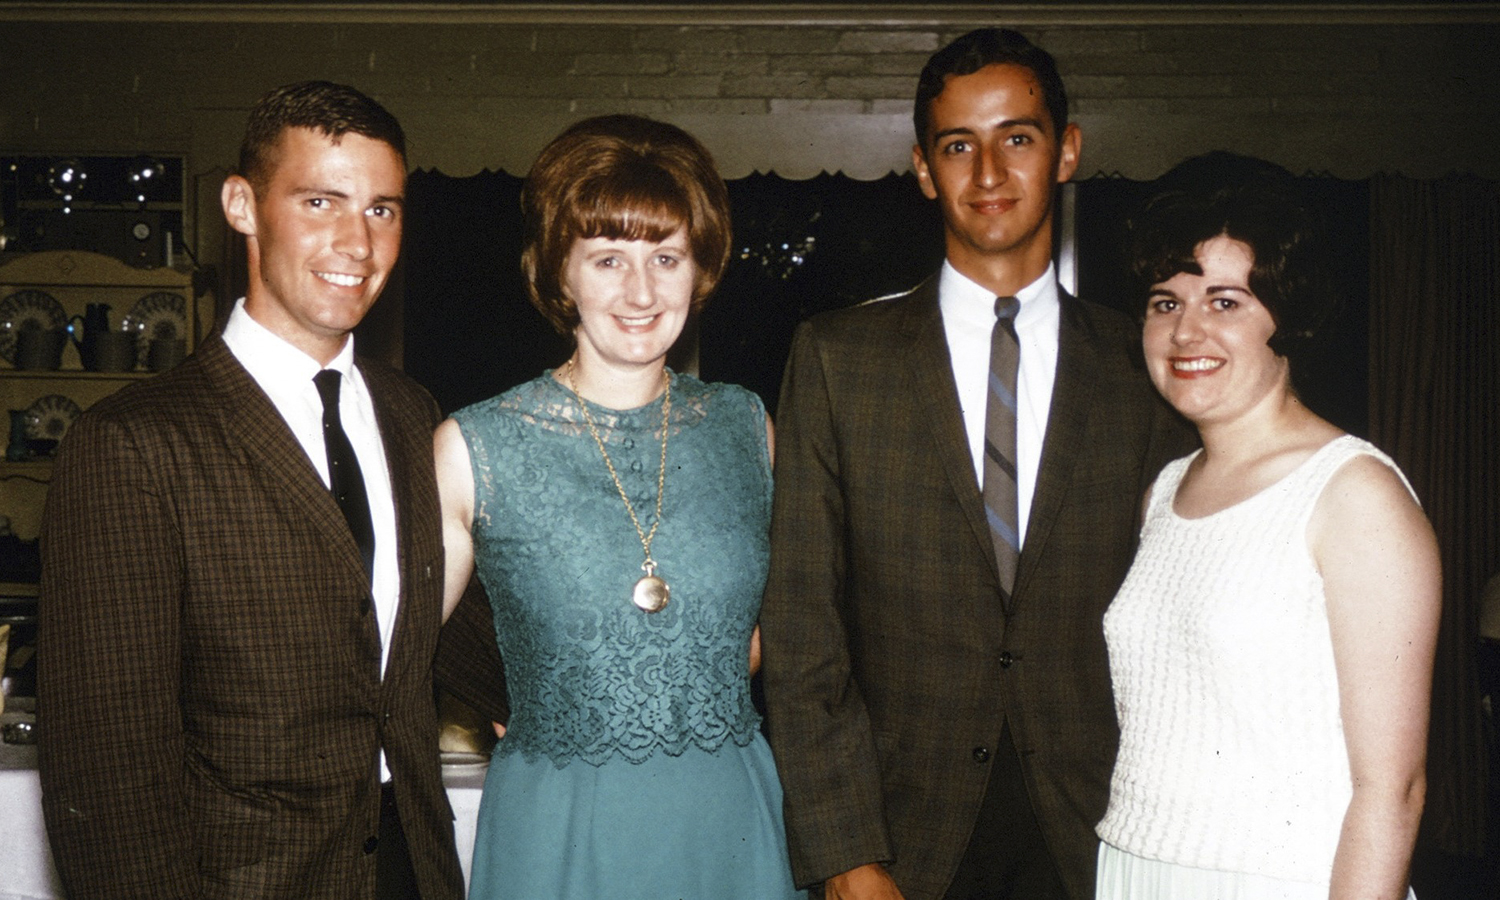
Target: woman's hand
755	651
867	882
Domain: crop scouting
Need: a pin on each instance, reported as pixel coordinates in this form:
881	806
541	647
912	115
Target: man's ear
238	200
924	176
1068	150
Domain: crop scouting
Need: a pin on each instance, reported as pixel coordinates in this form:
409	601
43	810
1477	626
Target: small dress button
1006	659
371	843
628	443
981	754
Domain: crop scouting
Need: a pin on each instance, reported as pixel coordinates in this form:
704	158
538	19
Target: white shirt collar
963	297
271	359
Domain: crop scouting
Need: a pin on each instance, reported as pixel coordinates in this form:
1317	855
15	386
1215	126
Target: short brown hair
623	177
332	110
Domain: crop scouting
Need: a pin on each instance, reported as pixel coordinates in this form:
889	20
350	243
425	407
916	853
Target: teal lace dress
633	767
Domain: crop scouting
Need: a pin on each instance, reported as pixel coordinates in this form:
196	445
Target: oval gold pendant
651	594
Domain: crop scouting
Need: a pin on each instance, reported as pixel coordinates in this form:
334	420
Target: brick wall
1342	97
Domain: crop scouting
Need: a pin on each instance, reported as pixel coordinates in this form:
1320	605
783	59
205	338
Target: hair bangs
640	205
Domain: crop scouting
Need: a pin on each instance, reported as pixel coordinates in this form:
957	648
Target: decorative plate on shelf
159	315
27	309
50	416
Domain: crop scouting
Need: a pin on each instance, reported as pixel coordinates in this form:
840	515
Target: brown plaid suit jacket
888	660
211	707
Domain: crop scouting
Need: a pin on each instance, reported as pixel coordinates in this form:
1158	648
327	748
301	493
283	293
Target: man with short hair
242	569
958	477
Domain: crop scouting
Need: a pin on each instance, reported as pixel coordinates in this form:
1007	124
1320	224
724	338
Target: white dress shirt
968	312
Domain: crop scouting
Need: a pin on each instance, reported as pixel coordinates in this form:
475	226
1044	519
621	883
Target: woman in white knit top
1272	646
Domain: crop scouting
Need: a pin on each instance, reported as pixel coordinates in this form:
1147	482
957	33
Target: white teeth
341	280
644	320
1196	365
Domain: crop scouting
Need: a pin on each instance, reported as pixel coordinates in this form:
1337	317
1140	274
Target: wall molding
938	15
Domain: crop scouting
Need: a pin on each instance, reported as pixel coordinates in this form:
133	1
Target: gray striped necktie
1000	506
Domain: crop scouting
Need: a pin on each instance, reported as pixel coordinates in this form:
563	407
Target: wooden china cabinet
66	290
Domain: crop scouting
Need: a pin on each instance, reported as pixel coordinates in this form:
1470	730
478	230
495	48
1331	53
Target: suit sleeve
111	730
818	724
468	662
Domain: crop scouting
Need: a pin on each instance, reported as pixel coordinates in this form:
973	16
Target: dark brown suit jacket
210	700
890	667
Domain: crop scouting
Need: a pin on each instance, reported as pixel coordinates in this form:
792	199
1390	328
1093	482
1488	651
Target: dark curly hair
1252	201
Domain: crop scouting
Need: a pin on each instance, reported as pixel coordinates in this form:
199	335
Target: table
26	870
25	858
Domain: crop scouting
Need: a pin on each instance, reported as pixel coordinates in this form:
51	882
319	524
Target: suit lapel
268	442
402	456
935	399
1073	395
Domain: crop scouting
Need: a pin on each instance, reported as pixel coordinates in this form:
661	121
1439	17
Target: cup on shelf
164	353
40	348
109	351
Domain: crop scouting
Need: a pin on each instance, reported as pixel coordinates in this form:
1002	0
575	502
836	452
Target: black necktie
999	486
344	478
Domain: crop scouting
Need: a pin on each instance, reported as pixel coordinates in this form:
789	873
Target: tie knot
328	388
1007	307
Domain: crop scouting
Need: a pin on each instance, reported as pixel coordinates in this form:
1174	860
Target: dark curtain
800	247
1435	407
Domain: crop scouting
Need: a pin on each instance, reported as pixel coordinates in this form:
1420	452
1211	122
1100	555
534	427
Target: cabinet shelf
75	374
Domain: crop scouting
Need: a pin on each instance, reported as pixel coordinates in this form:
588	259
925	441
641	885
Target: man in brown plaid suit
235	690
942	730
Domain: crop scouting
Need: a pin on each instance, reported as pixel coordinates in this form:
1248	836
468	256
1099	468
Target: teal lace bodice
589	675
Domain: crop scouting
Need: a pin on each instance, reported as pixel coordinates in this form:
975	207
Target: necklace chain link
649	566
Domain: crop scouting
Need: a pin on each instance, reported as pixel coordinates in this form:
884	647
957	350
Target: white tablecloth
25	860
26	871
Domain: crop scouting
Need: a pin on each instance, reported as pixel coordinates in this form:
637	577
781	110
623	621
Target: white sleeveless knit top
1232	752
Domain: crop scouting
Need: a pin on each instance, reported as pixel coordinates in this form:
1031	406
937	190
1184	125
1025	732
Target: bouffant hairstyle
987	47
1252	201
627	178
332	110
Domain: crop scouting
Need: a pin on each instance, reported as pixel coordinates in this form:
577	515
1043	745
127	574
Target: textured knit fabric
1232	751
633	765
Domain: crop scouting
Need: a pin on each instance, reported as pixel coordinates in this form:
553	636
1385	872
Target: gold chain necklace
651	593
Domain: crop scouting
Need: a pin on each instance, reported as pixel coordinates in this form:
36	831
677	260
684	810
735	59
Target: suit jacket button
371	843
981	754
1006	659
364	605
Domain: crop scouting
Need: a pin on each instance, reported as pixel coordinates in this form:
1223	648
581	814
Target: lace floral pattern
590	676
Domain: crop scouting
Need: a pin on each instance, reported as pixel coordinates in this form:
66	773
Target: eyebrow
999	126
387	199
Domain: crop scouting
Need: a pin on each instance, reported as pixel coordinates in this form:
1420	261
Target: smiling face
632	298
323	235
1205	338
991	159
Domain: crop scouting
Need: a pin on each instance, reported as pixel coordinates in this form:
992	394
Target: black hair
986	47
1252	201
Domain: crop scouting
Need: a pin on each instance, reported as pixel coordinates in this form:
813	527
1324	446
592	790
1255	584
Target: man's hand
867	882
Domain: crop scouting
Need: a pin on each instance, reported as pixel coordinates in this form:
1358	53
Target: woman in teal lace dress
617	514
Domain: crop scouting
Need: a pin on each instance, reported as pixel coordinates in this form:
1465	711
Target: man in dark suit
938	690
235	689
